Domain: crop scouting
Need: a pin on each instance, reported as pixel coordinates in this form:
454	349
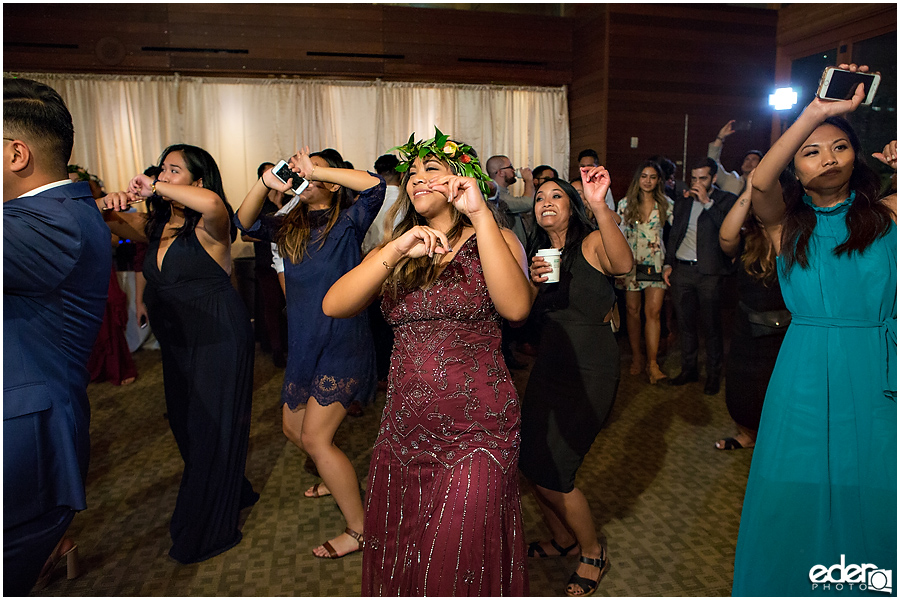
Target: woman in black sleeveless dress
206	342
573	383
760	321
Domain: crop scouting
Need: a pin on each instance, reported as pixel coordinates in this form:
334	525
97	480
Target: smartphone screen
284	173
844	83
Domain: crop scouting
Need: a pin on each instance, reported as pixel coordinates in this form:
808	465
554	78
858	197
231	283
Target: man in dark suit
694	268
56	264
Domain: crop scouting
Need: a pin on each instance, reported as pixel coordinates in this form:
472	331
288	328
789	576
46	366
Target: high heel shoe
73	569
654	373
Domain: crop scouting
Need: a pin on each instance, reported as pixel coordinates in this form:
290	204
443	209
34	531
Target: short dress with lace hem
331	360
443	513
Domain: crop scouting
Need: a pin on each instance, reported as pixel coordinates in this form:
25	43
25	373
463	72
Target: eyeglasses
510	167
10	139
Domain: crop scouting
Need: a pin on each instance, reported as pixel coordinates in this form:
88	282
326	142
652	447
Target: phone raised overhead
284	174
838	84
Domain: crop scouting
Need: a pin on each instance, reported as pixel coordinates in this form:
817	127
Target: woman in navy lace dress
331	362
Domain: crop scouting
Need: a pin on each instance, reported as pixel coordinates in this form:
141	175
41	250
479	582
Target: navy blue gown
332	360
207	347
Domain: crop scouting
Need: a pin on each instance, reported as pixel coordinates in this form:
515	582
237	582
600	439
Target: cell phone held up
838	84
283	173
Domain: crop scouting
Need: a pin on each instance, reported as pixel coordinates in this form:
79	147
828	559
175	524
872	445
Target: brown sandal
315	492
333	554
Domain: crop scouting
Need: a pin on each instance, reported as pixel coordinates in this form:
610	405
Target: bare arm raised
766	196
730	231
608	243
214	215
502	256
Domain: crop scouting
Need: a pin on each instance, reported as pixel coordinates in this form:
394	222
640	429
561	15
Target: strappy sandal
315	492
588	586
536	549
332	553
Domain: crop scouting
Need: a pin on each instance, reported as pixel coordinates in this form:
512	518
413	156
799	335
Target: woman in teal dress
823	482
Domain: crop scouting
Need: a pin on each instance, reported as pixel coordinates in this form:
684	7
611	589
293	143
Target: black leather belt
692	263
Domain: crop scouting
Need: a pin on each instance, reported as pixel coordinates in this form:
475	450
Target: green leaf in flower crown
423	151
402	167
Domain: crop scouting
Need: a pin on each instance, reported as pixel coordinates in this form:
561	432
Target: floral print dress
646	241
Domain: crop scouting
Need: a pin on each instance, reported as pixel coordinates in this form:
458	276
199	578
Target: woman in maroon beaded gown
443	515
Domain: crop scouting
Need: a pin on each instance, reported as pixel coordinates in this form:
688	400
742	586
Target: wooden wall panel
710	62
355	41
588	91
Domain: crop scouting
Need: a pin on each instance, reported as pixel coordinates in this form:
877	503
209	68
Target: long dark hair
202	166
293	236
867	218
423	271
578	229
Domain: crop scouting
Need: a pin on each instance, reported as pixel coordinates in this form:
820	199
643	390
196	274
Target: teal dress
823	482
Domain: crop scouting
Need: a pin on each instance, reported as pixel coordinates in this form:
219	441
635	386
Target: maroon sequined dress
443	516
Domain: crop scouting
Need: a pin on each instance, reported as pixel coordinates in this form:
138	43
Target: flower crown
461	157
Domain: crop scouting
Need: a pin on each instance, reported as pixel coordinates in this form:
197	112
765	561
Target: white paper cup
551	255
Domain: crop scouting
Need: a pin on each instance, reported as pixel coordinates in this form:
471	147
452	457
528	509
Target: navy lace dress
331	360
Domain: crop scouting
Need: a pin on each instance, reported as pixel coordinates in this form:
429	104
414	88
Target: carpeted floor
668	503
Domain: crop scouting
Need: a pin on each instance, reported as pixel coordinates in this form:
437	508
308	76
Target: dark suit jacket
710	258
56	264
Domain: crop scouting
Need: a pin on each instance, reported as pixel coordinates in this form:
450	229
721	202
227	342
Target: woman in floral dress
644	211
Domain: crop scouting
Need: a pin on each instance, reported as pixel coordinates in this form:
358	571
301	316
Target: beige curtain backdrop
122	123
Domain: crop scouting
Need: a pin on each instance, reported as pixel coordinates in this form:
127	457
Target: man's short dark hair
589	152
540	168
667	166
707	162
36	113
749	152
262	168
386	163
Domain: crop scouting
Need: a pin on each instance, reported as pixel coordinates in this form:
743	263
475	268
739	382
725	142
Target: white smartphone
284	174
838	84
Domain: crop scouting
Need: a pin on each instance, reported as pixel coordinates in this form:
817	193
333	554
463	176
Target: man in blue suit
56	263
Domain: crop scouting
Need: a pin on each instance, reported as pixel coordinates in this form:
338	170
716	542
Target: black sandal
535	549
588	586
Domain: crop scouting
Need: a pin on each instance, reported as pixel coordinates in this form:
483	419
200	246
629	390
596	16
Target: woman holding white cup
576	373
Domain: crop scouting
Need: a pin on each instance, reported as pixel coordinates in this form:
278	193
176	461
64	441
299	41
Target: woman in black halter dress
207	344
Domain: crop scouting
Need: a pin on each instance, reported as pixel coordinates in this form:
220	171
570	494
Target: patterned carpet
667	502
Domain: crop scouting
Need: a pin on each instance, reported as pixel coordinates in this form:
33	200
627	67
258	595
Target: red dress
111	359
443	516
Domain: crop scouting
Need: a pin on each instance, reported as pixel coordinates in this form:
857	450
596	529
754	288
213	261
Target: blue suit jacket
56	264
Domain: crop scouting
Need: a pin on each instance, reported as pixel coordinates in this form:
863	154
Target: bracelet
387	266
153	186
720	138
